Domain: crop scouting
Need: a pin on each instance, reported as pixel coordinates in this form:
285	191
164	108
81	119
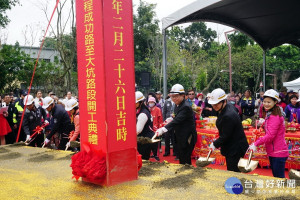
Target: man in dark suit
183	125
232	138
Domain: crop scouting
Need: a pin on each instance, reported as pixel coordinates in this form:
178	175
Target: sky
28	20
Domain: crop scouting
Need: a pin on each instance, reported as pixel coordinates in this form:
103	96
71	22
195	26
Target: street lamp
229	48
274	79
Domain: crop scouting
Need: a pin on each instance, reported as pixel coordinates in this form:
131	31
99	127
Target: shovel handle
207	157
250	156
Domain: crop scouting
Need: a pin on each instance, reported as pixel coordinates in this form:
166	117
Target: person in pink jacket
274	140
73	107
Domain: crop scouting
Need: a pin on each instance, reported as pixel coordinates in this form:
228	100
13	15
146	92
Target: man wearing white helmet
61	122
33	118
232	138
144	124
183	125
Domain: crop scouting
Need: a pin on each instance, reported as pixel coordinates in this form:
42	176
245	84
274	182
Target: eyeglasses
175	96
191	94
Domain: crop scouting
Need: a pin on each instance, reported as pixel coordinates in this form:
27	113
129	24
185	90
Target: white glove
27	138
253	147
46	122
159	132
212	146
46	141
68	145
260	121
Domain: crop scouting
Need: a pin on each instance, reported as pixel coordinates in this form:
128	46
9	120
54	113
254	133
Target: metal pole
264	69
230	70
164	63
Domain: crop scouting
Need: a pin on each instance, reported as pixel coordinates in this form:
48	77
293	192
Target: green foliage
4	6
201	80
16	68
239	41
193	37
284	57
146	29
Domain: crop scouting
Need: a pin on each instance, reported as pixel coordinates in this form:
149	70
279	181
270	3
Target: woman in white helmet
183	125
144	124
274	140
232	138
72	107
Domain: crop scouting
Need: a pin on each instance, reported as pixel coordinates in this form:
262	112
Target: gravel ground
35	173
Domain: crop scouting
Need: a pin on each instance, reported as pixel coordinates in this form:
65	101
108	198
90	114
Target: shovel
247	165
294	174
204	161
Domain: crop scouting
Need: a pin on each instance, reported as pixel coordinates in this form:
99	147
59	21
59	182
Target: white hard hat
72	103
29	99
177	89
139	96
64	101
272	93
47	101
216	96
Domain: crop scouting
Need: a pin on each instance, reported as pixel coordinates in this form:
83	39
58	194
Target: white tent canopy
293	85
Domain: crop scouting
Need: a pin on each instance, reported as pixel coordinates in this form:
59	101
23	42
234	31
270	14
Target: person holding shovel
274	140
144	125
183	125
232	138
32	120
61	122
73	107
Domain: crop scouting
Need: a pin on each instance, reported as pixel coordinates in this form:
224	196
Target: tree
193	37
239	41
146	33
64	41
16	68
4	6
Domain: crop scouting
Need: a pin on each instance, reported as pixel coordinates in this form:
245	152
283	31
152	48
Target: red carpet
170	159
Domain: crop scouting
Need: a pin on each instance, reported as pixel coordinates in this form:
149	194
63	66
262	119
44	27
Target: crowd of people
38	121
273	108
54	122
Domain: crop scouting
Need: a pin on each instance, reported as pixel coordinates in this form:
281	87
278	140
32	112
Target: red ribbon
38	130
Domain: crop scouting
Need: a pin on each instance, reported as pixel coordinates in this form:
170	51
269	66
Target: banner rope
36	62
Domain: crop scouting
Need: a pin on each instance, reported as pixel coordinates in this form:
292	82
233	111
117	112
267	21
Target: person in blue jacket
248	106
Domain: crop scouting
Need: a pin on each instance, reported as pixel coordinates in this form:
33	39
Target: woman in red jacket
274	140
157	122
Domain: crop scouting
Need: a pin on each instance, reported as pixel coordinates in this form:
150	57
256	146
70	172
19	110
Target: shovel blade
244	167
203	162
294	174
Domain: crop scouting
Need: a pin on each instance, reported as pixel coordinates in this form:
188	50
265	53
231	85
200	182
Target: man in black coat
33	119
232	138
183	125
61	122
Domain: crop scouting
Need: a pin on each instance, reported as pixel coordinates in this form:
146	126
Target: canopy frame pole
164	63
264	69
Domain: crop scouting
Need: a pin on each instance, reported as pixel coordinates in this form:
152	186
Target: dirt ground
35	173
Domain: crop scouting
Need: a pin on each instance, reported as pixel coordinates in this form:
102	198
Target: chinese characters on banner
91	72
106	83
119	57
89	44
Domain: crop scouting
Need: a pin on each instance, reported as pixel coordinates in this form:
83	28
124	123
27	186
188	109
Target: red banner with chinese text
106	83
